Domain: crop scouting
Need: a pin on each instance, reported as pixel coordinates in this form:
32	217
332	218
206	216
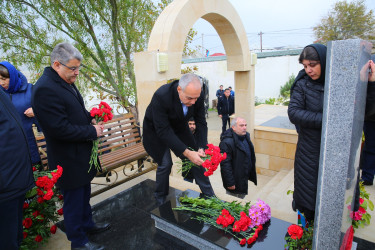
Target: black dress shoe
99	227
89	246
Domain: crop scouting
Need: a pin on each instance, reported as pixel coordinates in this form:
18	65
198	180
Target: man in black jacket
69	131
165	128
239	166
16	176
188	176
220	92
225	108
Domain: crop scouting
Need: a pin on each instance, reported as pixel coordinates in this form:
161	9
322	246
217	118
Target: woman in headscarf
306	111
15	85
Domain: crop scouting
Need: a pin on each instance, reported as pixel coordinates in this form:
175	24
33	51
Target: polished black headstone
132	227
131	223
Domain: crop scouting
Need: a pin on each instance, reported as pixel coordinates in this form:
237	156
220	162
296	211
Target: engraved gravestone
344	108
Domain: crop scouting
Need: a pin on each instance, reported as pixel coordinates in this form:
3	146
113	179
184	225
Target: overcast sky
284	23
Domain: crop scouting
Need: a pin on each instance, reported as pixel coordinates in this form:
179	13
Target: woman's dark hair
4	71
309	53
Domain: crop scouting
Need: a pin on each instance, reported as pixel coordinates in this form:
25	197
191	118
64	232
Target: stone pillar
245	97
344	108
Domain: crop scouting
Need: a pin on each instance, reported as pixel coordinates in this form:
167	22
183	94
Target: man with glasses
69	131
165	128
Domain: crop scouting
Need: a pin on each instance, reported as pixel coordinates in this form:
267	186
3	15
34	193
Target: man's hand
371	75
220	116
193	157
29	112
99	129
232	187
93	121
201	152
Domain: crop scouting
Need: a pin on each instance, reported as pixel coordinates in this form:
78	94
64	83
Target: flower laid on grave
40	209
241	221
101	114
299	237
361	218
211	161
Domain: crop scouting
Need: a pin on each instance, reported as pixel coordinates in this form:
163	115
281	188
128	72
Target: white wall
270	74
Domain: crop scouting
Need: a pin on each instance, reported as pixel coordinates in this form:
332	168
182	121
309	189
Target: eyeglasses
71	68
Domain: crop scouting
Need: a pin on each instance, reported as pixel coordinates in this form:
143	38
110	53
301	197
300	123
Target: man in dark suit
69	131
165	128
225	108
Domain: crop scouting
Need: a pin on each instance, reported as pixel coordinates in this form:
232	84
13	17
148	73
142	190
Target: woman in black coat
305	111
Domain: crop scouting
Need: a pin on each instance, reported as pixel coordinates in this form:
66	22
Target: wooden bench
120	146
121	143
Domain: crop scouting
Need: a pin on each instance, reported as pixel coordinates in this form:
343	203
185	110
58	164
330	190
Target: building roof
292	52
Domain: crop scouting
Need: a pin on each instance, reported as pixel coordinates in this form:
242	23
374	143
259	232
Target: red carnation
53	229
243	242
38	238
40	200
27	222
295	232
24	235
105	105
48	195
60	211
251	240
25	205
61	197
36	213
34	169
361	200
39	192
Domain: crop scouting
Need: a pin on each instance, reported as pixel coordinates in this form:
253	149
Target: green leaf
370	205
31	193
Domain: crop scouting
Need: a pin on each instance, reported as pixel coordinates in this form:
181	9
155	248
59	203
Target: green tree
106	32
346	21
285	89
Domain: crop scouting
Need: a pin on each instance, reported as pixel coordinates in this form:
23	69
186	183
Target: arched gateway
168	36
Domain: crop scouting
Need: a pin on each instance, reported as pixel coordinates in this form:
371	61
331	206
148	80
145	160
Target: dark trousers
77	214
225	119
162	178
368	153
11	234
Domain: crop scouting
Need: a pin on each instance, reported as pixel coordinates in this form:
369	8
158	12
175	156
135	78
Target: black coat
225	105
16	176
306	111
370	102
234	166
165	126
67	127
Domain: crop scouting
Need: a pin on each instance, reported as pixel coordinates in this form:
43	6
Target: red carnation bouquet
40	209
211	161
101	114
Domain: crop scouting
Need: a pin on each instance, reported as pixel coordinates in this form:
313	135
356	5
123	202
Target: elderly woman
15	85
306	111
